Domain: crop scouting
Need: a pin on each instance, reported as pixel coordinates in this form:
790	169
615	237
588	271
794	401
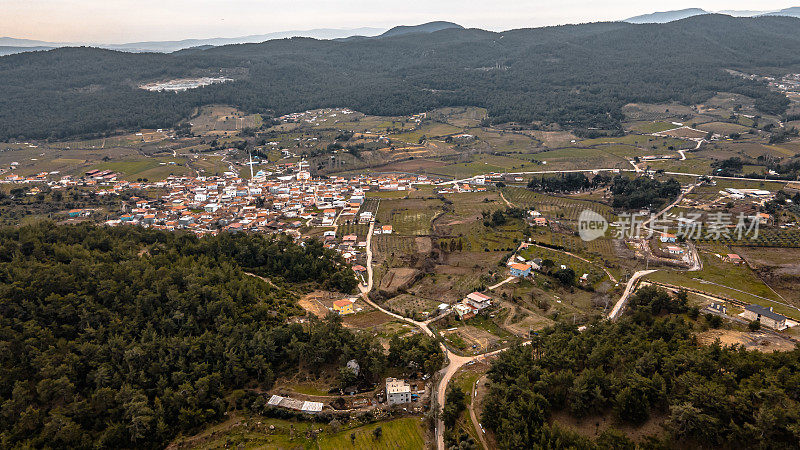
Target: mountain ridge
428	27
517	75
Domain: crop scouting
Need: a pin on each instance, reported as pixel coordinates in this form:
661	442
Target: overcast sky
119	21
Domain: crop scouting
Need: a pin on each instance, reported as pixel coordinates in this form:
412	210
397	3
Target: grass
739	277
251	432
465	381
553	206
410	217
308	389
406	433
488	325
580	267
653	127
150	168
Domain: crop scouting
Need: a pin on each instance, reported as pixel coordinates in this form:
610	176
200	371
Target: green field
555	207
410	217
739	277
404	433
150	168
253	432
652	127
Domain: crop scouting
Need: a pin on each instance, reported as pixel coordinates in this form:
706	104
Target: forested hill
125	337
578	76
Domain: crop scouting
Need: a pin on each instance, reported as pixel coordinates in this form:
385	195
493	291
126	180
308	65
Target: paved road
612	169
454	362
629	288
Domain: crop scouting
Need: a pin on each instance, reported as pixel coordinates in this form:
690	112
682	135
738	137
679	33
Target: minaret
251	165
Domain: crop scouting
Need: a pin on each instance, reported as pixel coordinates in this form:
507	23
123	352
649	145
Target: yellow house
343	307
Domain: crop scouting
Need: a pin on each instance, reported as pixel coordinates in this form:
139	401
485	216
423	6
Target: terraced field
555	207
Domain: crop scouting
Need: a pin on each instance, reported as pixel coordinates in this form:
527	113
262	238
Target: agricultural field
147	168
555	207
410	305
409	217
779	267
222	121
729	280
651	127
724	128
580	267
653	112
429	130
462	117
251	431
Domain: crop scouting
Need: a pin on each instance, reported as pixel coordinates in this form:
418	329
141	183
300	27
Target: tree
455	403
754	325
377	432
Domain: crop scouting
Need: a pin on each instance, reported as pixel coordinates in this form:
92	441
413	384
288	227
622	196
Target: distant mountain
10	50
13	45
429	27
790	12
576	76
14	42
741	13
666	16
671	16
171	46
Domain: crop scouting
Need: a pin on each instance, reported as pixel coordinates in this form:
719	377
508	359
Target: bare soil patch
761	341
397	278
424	244
594	426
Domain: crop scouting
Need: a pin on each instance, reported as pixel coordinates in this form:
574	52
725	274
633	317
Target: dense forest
578	76
123	337
568	182
646	366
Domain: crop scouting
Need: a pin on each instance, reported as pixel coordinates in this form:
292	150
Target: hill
141	334
790	12
10	50
429	27
577	76
666	16
14	45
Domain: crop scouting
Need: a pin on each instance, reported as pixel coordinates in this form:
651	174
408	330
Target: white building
397	391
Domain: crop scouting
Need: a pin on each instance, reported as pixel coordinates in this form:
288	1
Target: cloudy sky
118	21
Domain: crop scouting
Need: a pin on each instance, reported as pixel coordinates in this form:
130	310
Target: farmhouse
365	217
520	270
464	311
733	258
478	301
397	391
668	237
674	250
343	307
765	315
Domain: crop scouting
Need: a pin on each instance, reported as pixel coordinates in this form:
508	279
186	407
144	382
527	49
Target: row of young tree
645	366
124	337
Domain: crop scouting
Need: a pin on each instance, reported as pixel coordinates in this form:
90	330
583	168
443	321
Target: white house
397	391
